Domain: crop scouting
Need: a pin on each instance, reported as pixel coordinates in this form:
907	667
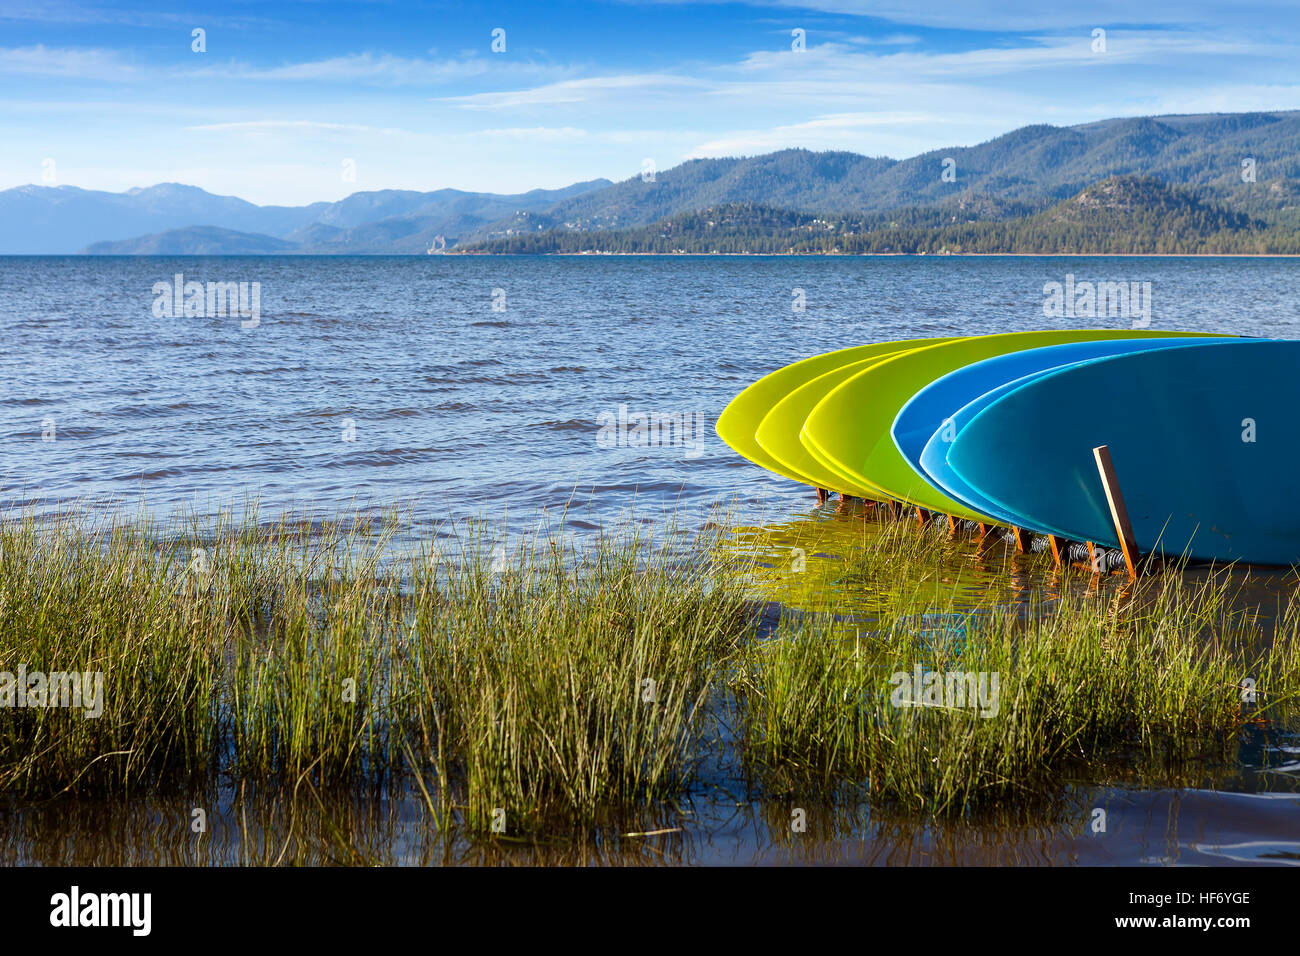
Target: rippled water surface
469	410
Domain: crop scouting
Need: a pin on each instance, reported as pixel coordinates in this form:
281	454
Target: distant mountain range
1222	175
1122	215
65	219
1034	166
1015	176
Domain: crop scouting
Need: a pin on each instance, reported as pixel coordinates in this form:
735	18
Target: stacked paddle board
1202	432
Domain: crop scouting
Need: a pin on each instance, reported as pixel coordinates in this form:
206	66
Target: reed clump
948	710
319	653
575	679
105	601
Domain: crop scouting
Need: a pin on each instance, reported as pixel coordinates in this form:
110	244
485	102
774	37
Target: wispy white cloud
293	126
90	63
84	63
849	68
583	90
380	69
535	133
893	39
814	133
841	72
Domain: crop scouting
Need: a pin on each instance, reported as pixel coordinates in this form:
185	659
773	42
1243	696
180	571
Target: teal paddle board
1204	440
929	422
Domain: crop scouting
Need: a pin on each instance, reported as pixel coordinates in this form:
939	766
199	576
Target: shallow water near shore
476	414
1143	827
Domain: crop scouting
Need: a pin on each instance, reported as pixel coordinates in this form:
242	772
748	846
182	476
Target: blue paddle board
934	458
927	424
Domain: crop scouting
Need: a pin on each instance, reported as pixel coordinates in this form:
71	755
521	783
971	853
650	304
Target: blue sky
412	95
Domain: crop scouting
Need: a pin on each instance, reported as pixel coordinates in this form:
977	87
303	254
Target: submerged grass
1013	698
561	682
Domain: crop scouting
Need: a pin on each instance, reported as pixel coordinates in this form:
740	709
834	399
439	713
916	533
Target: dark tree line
1120	215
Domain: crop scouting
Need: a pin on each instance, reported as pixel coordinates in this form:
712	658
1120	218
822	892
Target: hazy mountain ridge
64	219
194	241
1013	176
67	219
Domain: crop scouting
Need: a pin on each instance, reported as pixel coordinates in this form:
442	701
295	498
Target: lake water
477	385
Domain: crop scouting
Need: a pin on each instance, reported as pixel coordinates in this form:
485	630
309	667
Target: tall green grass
568	678
564	683
317	653
105	599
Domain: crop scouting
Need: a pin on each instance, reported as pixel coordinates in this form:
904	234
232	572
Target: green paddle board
849	429
739	421
778	432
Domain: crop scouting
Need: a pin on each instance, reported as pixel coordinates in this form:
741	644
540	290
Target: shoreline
898	255
677	255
